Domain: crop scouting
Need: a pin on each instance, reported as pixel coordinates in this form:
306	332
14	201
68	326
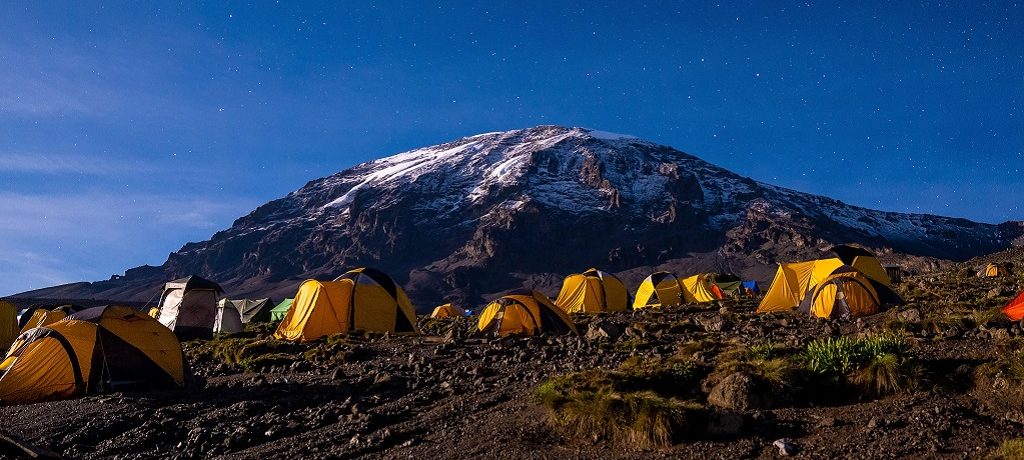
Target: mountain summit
485	213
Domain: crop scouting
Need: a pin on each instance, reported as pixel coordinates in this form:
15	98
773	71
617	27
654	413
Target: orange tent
1015	309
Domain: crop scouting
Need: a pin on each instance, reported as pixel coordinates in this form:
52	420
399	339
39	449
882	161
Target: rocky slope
462	220
447	394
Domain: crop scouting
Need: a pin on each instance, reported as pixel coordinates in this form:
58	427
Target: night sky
127	130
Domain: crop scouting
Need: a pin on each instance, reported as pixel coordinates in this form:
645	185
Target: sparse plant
1010	449
630	345
990	317
832	355
631	405
879	364
767	360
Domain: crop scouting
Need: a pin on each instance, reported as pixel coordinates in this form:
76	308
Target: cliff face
495	211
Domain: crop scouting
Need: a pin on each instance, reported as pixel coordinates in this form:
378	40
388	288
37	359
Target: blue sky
128	129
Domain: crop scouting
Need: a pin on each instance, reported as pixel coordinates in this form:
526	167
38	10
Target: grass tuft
641	404
1010	449
879	364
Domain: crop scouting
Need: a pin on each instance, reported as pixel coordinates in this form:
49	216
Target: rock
785	446
338	374
603	331
910	315
827	422
725	423
741	391
714	323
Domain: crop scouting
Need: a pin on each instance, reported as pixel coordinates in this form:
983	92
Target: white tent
188	306
229	319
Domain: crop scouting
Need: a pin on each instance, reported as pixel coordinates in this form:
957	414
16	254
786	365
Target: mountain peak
495	211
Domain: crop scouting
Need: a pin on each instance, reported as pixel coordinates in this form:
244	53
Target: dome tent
447	311
592	291
361	299
847	292
229	318
188	306
98	349
658	289
524	312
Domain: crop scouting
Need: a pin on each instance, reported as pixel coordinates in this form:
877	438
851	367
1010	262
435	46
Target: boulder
910	315
713	323
600	330
742	391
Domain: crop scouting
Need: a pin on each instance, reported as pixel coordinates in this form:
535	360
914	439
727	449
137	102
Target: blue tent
751	288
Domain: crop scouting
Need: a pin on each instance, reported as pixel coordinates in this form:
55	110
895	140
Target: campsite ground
449	395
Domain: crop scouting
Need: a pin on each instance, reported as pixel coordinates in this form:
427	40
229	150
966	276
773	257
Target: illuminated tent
592	291
524	312
847	292
864	261
188	306
995	270
361	299
793	281
659	289
96	350
447	311
700	288
1015	309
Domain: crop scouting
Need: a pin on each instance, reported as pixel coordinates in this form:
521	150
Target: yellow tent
864	261
361	299
793	282
94	350
447	311
592	291
697	288
659	289
524	312
43	317
8	324
845	293
994	270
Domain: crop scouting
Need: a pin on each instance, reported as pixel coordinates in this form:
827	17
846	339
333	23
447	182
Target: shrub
880	364
831	355
767	360
619	405
1010	449
990	317
642	403
1009	363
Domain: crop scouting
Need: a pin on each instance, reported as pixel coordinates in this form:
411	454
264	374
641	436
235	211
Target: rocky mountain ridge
479	215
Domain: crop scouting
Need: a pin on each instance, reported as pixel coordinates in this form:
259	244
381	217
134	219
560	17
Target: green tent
278	312
730	288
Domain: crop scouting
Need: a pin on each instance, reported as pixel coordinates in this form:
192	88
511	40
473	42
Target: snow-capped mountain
494	211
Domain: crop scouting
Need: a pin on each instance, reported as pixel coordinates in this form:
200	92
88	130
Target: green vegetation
770	361
1008	365
1010	449
637	405
250	353
878	365
630	345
